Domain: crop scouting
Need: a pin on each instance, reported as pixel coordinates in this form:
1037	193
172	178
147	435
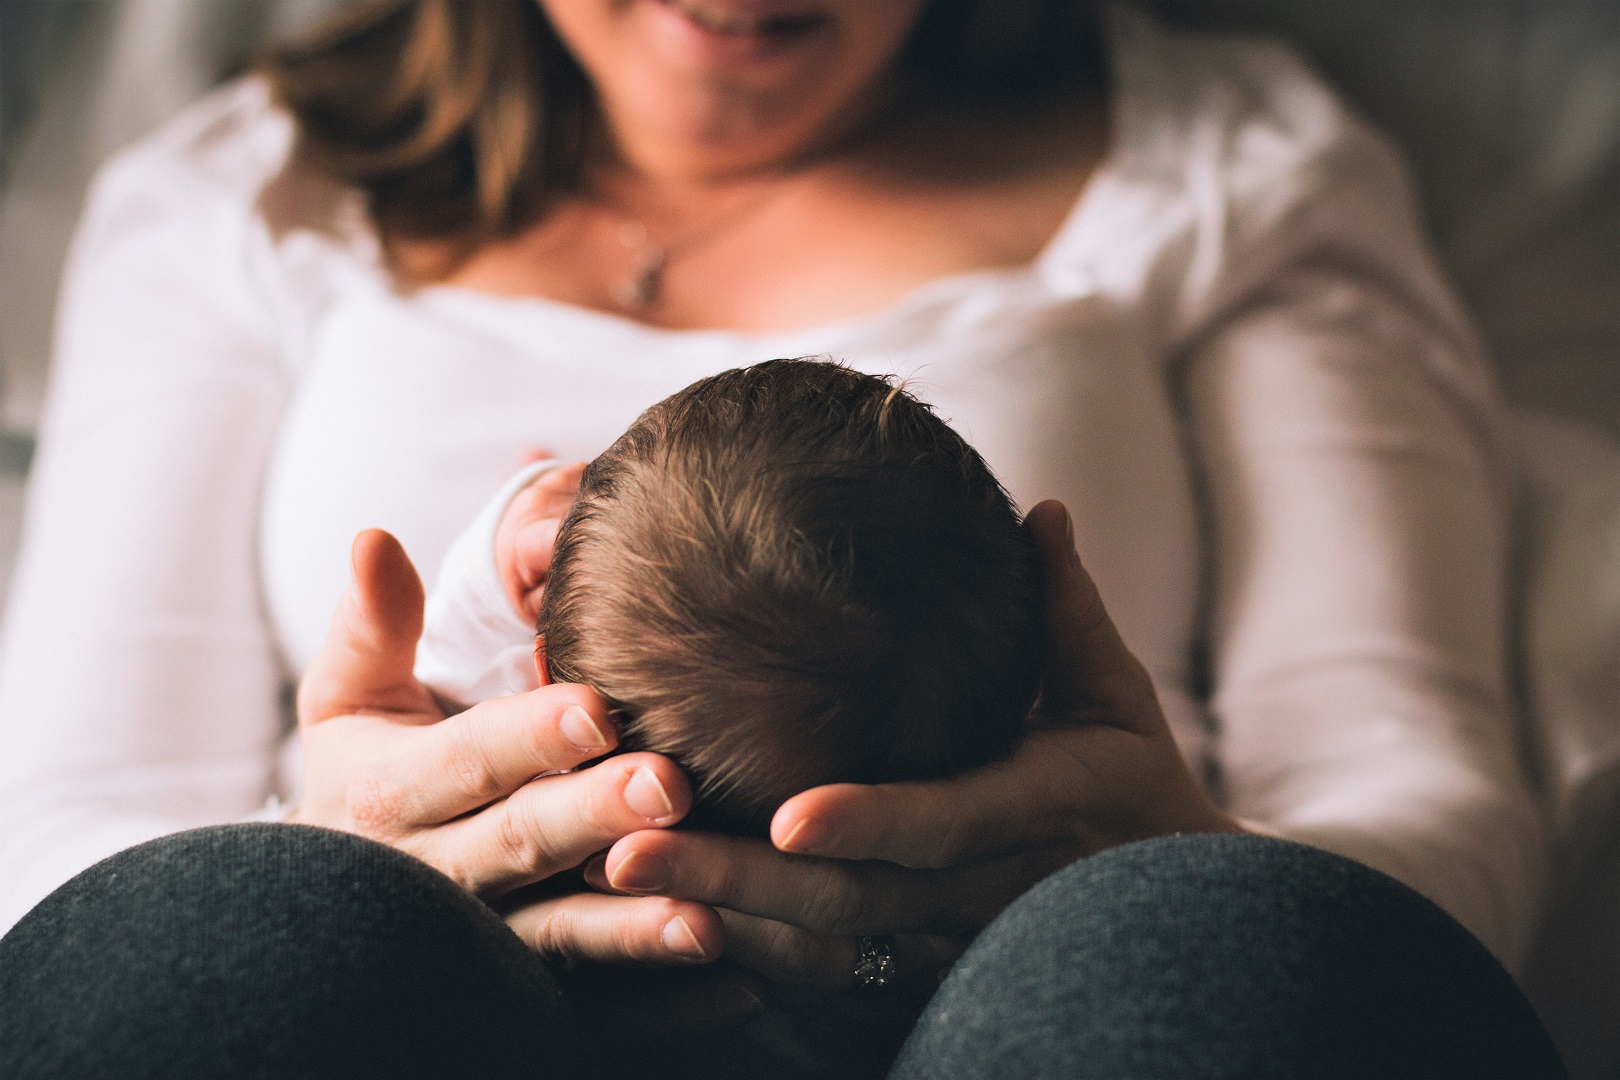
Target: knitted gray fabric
284	952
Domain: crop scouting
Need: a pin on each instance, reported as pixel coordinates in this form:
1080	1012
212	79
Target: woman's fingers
749	876
1029	801
783	952
592	928
494	748
554	823
1072	790
790	954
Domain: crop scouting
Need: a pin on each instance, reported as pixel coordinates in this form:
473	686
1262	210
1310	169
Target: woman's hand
932	863
527	533
482	796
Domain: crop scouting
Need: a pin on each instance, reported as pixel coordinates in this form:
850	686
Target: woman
1185	296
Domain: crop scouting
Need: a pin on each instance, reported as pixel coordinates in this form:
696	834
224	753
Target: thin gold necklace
642	289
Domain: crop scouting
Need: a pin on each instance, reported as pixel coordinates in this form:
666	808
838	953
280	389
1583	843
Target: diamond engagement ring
874	963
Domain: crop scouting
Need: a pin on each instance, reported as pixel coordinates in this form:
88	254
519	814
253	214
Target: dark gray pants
281	951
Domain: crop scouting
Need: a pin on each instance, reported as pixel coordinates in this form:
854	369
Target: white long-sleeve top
1235	362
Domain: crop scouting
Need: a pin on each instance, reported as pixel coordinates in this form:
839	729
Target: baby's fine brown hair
795	574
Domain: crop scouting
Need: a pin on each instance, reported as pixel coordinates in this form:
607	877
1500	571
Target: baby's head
794	574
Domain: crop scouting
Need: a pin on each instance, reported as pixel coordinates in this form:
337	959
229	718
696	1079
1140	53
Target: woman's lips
738	31
751	21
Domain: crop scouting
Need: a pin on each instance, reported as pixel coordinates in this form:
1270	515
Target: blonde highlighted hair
462	120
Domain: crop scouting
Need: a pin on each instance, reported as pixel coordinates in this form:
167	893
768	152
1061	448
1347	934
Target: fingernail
740	1002
578	728
808	837
679	939
644	793
1069	543
637	872
595	872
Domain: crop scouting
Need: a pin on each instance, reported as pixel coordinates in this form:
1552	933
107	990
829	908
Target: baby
789	575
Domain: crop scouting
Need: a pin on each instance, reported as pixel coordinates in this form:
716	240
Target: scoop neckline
1076	223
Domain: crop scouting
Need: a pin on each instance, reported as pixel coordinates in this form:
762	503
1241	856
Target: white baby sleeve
474	645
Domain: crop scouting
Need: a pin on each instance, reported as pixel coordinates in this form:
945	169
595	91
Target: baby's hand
527	534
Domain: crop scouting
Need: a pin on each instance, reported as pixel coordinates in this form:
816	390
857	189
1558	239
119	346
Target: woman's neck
902	201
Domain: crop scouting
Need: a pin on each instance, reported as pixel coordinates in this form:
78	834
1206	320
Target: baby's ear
540	660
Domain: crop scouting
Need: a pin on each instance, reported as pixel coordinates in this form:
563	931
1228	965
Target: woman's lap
272	951
1226	956
282	951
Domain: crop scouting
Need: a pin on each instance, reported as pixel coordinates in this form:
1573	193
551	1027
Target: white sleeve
1357	608
1346	434
474	645
139	683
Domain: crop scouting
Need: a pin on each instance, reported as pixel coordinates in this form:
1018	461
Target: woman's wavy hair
460	120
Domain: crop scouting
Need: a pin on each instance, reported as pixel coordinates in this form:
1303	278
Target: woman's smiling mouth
737	31
728	19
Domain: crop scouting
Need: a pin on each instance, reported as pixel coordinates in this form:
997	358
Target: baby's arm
478	641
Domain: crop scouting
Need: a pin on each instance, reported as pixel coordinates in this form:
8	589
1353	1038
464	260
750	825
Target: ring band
874	962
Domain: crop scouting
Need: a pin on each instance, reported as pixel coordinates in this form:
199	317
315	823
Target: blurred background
1507	110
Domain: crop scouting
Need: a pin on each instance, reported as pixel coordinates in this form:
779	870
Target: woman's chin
739	83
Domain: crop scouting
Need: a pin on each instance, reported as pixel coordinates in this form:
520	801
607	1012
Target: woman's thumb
368	659
1090	673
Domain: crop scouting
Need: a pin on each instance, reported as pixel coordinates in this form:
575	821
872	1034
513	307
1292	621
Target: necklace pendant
640	291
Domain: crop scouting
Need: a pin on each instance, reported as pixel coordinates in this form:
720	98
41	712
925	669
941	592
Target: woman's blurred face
718	86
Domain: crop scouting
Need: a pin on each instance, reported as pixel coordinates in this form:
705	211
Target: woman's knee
268	950
1227	956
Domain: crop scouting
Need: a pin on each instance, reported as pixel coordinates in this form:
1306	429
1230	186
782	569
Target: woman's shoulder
1231	160
1244	110
216	156
216	199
